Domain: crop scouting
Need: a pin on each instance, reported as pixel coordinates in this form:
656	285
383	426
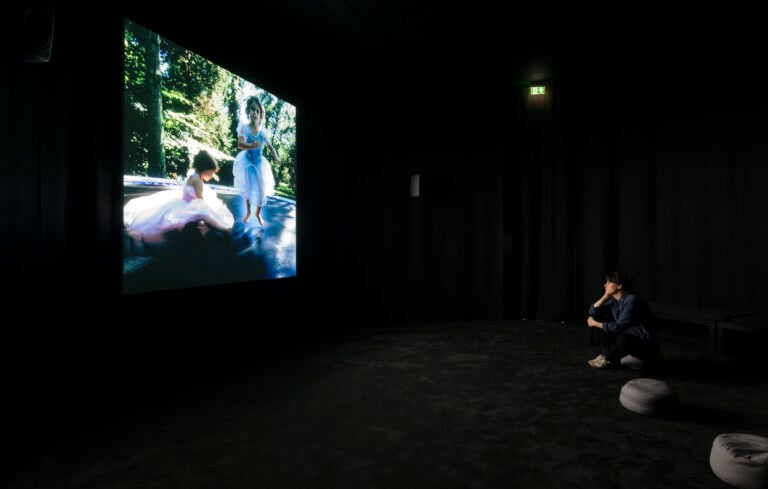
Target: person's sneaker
599	362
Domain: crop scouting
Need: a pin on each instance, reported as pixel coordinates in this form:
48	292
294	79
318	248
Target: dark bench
755	323
715	320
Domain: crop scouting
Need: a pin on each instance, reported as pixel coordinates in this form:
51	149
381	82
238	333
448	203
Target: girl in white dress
252	172
148	218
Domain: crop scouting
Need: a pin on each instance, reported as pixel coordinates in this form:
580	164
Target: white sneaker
599	362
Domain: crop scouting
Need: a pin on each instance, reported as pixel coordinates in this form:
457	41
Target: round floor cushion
740	459
651	397
635	363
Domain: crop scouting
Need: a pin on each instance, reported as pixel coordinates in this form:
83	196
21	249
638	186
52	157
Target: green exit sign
538	90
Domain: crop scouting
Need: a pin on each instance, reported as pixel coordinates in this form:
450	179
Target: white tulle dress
148	218
253	177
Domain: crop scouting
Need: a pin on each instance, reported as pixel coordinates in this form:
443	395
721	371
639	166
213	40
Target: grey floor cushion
740	459
635	363
650	397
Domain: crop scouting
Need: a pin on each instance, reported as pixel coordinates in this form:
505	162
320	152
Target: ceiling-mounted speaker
26	31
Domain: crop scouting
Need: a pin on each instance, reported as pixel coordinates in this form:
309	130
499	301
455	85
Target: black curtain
538	258
661	176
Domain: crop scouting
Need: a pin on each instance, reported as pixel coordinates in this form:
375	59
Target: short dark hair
620	278
203	161
253	99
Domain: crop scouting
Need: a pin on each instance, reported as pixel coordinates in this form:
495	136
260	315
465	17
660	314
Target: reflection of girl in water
150	217
253	173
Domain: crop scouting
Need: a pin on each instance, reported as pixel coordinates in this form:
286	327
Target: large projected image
209	171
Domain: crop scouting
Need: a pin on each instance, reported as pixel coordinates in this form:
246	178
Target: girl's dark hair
203	161
620	278
254	100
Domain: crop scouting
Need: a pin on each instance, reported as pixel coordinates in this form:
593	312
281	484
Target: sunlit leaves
201	103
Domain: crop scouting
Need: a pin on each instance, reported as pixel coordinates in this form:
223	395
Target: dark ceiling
517	41
389	38
427	39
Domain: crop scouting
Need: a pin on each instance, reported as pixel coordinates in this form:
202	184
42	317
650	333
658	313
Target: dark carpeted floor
472	405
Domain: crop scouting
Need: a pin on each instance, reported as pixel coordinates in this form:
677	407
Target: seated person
622	322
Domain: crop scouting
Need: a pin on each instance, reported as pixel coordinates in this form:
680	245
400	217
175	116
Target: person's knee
603	317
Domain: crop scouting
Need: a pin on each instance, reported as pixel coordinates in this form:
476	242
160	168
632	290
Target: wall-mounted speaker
26	31
415	185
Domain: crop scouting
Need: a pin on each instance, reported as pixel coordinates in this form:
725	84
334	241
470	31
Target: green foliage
231	102
201	107
285	191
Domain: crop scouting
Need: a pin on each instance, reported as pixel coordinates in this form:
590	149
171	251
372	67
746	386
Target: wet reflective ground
189	259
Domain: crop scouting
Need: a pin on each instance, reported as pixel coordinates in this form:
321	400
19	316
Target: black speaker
26	31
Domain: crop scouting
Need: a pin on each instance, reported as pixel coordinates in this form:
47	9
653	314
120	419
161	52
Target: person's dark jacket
629	315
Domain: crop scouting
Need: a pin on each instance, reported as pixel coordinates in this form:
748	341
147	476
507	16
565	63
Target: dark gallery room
384	244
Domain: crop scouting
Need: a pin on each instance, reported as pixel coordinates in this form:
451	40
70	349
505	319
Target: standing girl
253	173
